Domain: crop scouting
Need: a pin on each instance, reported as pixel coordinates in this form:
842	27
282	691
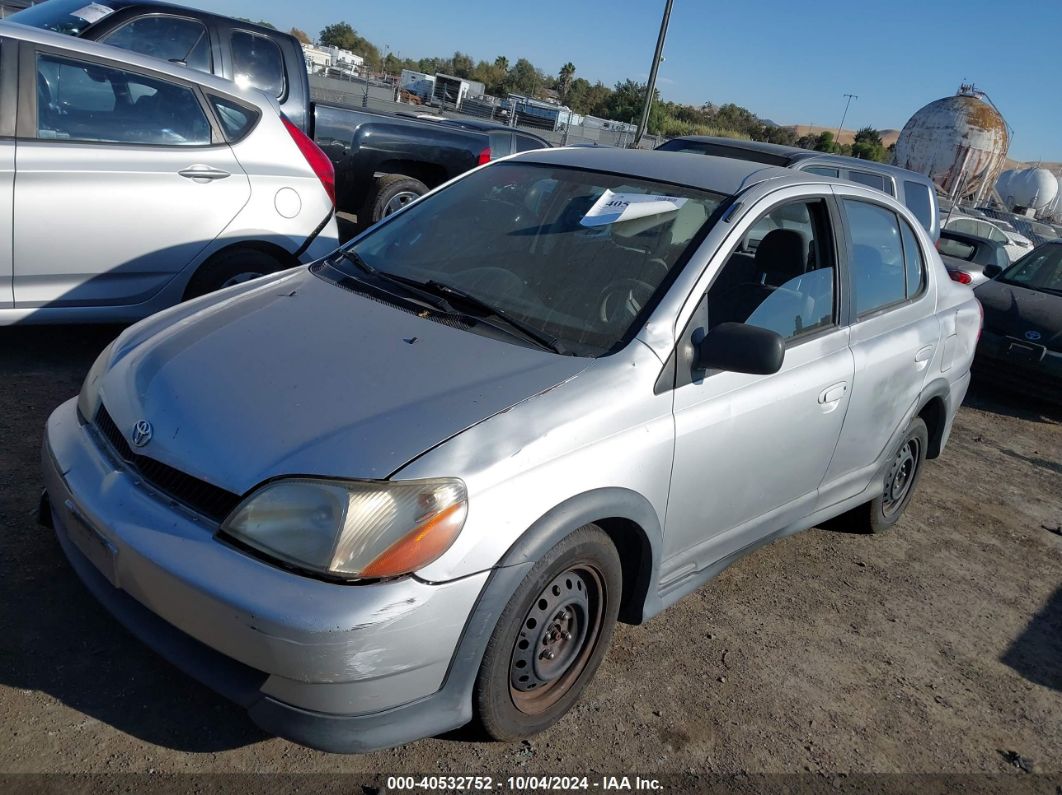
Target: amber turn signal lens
420	546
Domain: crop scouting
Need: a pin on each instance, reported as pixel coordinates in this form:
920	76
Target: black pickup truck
382	160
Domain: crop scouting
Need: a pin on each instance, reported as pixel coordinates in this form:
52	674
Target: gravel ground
936	648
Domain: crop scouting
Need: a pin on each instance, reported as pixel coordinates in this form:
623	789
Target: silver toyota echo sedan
421	479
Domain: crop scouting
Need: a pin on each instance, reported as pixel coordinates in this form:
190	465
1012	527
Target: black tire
551	637
899	483
231	267
388	194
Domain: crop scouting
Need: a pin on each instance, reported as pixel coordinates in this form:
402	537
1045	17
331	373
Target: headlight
88	400
352	529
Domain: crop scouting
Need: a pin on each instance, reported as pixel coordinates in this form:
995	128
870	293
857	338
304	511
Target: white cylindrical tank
1033	188
959	142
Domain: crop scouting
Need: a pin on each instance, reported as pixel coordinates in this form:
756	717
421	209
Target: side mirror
741	348
992	271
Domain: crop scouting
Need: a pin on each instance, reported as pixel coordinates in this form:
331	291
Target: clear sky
787	61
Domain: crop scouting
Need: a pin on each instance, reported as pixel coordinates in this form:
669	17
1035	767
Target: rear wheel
229	268
551	637
899	482
390	194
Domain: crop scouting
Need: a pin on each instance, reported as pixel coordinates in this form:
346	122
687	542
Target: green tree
342	35
564	82
868	145
627	101
825	143
301	35
524	78
462	65
502	63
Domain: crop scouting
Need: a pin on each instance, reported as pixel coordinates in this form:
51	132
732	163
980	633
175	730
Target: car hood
300	376
1016	311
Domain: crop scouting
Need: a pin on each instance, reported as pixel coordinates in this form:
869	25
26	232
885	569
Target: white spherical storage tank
959	142
1033	188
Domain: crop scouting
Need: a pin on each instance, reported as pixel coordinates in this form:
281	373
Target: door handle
832	394
203	173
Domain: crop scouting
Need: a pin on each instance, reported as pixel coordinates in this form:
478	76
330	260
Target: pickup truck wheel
390	194
551	637
898	485
229	268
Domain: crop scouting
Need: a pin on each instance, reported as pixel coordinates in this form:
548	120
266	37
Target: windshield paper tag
92	13
612	207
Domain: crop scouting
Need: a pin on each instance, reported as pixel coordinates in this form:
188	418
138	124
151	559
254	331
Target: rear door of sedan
895	334
123	178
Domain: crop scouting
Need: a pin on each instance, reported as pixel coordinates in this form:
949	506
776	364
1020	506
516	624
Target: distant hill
888	137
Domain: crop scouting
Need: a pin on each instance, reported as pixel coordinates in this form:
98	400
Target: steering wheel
623	299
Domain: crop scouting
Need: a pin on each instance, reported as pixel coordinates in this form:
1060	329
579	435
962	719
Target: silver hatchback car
563	389
128	184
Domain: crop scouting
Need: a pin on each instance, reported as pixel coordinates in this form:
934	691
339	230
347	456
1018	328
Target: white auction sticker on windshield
612	207
93	12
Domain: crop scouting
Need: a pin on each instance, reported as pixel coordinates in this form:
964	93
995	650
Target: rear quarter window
235	118
876	181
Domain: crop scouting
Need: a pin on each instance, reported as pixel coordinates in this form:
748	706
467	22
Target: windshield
575	256
63	16
1040	269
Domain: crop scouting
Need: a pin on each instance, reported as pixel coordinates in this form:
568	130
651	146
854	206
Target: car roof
783	155
162	5
956	235
92	48
724	175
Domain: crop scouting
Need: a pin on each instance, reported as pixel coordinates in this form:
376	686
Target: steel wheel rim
564	621
240	278
398	201
900	477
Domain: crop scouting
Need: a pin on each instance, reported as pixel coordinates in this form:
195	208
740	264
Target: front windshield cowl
572	259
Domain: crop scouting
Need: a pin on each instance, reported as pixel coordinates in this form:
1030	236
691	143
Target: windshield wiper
488	312
441	296
408	286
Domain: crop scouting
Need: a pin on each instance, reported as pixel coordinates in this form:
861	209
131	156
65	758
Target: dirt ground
936	648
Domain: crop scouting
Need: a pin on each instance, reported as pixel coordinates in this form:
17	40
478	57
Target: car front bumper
1019	365
338	667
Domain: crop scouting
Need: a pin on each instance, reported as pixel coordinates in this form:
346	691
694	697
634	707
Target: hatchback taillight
315	158
960	277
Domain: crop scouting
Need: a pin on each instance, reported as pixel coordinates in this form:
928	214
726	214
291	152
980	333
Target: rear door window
258	62
175	39
525	143
82	101
823	171
877	262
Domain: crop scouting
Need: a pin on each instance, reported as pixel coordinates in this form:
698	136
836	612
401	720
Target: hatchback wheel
901	477
229	268
551	637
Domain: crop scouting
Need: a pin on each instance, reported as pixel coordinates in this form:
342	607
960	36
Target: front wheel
551	637
901	477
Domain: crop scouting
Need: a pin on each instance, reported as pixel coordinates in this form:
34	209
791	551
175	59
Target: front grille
202	497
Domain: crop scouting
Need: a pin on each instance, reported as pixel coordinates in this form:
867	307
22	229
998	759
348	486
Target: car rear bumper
337	667
1019	365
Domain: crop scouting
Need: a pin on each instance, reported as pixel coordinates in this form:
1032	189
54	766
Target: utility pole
650	90
849	97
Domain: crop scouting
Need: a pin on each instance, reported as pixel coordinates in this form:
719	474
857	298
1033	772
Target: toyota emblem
1032	336
141	433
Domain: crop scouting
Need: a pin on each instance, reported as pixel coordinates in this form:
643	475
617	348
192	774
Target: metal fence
383	95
